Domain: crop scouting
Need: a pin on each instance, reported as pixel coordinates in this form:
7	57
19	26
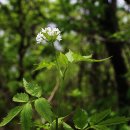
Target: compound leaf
80	119
98	117
114	121
13	112
43	108
21	97
32	89
75	57
26	116
62	60
45	64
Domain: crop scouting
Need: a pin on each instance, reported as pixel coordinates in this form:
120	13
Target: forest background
98	27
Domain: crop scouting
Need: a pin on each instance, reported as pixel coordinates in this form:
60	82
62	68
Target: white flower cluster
49	35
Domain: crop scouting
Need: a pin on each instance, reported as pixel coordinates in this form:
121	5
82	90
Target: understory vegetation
65	65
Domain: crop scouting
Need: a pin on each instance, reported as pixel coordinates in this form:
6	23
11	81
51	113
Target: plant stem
62	77
57	123
58	66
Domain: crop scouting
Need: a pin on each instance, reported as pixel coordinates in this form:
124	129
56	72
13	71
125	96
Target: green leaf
53	124
26	116
43	107
45	64
38	128
45	126
14	112
114	121
100	127
67	127
98	117
21	97
75	93
62	60
94	60
32	89
75	57
80	119
69	56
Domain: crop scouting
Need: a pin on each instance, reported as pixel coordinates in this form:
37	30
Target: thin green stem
62	77
59	71
57	64
57	123
65	72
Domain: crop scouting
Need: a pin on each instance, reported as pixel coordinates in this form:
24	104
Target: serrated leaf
100	127
67	127
62	60
45	64
114	121
43	108
98	117
75	57
26	117
21	97
80	119
12	113
32	89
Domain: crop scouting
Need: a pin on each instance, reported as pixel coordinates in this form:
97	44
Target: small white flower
40	38
48	35
59	38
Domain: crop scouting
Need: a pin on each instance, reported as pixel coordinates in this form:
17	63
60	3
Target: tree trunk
110	26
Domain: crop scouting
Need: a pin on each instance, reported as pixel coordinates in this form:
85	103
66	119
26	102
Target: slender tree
114	48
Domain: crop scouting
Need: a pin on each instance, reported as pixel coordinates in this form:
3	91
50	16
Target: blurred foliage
88	85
